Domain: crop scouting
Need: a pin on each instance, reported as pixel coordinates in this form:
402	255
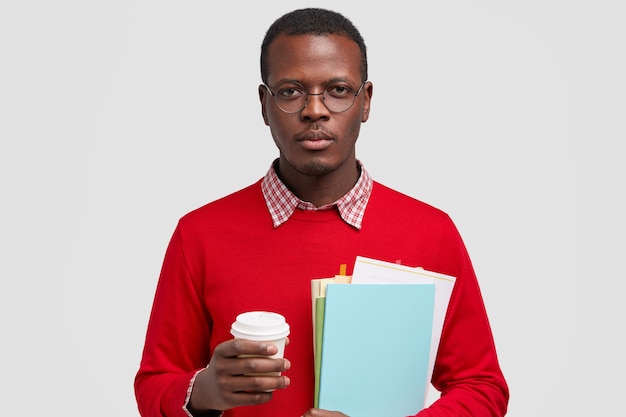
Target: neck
320	189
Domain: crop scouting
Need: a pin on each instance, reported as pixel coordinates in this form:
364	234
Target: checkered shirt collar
281	202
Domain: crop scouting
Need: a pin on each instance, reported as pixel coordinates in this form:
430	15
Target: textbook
373	338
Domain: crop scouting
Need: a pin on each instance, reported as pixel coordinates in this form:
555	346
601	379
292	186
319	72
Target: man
315	209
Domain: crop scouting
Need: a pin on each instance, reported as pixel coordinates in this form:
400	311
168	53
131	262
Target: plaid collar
281	202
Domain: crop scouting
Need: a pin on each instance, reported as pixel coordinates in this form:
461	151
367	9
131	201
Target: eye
339	91
291	92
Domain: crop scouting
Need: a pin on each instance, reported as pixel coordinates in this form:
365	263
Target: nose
315	108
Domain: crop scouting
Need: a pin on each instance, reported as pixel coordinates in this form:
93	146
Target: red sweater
226	258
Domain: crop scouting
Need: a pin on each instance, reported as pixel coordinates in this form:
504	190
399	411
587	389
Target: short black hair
312	21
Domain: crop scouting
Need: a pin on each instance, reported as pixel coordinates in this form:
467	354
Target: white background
117	117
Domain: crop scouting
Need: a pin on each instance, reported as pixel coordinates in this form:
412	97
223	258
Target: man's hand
224	383
316	412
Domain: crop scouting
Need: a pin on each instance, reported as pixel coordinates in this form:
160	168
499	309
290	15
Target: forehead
313	58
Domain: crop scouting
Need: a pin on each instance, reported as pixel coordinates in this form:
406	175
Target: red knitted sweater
226	258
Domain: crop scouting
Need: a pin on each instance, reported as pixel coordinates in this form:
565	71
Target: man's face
315	141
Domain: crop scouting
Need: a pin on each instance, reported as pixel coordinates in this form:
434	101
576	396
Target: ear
262	96
368	89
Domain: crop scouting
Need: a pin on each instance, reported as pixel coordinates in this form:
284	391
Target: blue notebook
375	349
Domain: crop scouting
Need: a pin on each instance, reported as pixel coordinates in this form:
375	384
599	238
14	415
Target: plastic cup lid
259	325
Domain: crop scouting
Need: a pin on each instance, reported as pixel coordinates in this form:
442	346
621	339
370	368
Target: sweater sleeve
466	370
176	344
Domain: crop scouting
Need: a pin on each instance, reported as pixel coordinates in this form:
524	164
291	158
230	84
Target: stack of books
376	335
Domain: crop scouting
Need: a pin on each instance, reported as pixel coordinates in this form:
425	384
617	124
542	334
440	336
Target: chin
314	168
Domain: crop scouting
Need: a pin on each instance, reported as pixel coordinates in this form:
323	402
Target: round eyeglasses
292	97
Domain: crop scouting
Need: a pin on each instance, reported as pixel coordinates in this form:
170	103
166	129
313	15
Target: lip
315	140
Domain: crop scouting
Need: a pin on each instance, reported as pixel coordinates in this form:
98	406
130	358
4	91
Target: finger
238	347
259	383
259	366
242	398
244	390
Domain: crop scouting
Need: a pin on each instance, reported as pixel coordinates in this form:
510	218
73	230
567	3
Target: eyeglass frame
308	98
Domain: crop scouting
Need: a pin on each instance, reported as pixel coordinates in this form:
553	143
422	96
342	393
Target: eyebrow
330	81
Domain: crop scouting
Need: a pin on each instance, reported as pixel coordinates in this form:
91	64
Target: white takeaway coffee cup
264	326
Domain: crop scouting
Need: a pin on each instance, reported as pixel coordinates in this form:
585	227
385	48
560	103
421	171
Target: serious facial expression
315	141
